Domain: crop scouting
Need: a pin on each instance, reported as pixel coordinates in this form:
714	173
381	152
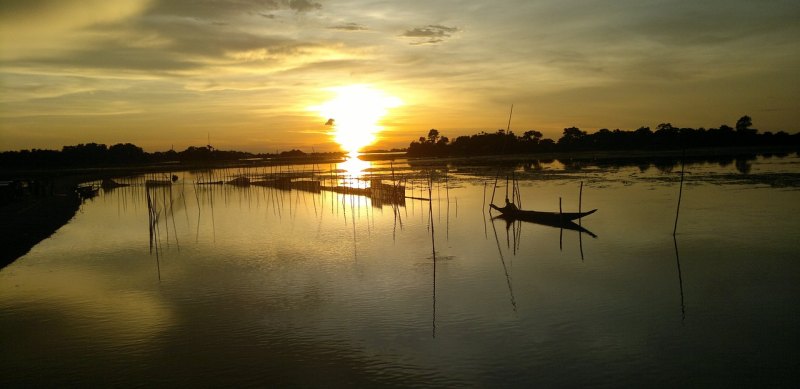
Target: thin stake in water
680	193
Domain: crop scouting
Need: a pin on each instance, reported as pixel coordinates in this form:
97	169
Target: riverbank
32	214
26	222
613	155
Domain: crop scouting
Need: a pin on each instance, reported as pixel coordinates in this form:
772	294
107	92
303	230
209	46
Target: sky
246	73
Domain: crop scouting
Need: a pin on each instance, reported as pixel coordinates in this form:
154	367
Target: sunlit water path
297	284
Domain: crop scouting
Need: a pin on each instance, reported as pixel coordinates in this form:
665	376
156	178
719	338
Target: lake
296	280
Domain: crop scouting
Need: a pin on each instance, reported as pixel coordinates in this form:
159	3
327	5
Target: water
260	286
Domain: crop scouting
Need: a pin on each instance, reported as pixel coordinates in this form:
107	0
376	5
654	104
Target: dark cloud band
430	34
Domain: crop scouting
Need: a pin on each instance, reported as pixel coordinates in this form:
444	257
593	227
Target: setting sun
354	114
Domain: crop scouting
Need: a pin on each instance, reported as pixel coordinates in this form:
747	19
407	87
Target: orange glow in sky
165	74
356	111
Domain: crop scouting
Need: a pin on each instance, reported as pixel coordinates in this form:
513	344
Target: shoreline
26	222
599	155
29	221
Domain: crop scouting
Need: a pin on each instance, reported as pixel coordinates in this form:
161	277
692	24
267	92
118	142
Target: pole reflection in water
505	269
680	278
286	293
433	246
359	191
580	220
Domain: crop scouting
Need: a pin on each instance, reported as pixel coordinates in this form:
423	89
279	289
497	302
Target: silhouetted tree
293	153
666	136
433	135
571	138
126	153
532	136
744	123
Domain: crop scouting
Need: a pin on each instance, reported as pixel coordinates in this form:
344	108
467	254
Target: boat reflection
550	222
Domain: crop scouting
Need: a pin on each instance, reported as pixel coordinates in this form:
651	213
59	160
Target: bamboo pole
580	233
484	197
494	188
508	126
561	230
680	193
506	187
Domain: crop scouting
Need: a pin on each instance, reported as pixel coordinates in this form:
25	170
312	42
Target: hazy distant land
48	199
642	141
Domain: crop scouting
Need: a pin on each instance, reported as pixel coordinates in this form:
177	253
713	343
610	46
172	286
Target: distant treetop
666	136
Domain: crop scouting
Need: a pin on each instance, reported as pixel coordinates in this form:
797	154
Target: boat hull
541	217
564	225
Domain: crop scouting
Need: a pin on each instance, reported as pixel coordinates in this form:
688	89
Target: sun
354	115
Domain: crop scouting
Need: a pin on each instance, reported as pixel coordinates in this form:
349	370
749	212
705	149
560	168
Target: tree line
665	136
123	154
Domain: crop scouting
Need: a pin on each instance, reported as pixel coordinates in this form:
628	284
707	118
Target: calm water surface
223	285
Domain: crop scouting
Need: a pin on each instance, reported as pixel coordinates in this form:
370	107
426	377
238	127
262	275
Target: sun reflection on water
353	166
353	170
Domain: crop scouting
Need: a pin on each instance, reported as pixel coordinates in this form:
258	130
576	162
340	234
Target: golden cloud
38	28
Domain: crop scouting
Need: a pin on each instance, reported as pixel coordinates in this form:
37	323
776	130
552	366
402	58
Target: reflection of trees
724	161
532	166
743	163
573	164
665	165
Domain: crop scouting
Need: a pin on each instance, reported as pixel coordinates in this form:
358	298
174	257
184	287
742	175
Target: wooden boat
165	181
111	184
312	186
278	183
87	191
152	183
566	224
539	216
239	181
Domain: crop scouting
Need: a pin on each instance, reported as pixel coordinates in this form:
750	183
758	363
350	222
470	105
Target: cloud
304	5
159	36
117	59
51	25
174	47
250	51
429	34
214	9
349	27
